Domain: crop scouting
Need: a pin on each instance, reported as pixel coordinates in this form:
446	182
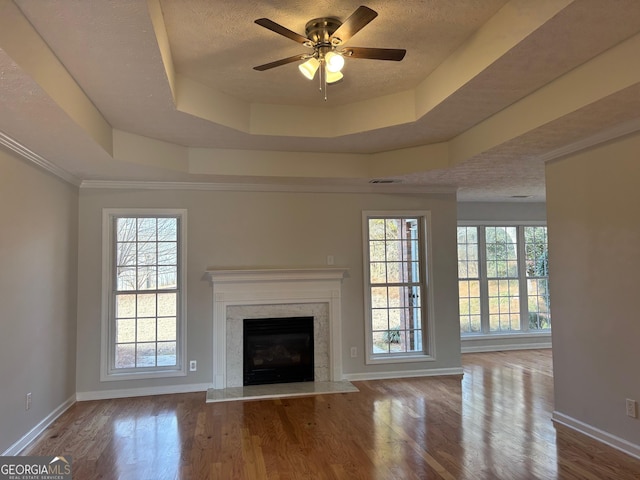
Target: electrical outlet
27	401
632	408
354	352
329	259
193	366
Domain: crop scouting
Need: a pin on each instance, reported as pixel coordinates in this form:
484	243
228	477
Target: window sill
116	377
384	359
489	336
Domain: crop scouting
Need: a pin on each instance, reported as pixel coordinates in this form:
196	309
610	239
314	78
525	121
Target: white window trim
107	331
503	223
429	354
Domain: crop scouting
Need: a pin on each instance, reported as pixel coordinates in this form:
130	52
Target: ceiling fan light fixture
309	68
332	77
334	62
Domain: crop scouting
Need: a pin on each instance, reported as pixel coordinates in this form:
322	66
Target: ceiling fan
326	36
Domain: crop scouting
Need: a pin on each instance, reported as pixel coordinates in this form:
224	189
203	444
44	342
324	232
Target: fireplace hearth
278	350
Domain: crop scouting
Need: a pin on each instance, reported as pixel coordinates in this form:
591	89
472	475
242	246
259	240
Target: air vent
376	180
520	196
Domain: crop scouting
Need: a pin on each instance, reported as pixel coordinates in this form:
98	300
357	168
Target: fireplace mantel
275	286
245	275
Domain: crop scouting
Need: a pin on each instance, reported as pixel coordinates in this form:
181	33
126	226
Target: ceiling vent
381	180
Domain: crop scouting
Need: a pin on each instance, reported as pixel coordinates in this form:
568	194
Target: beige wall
253	229
502	212
593	217
38	251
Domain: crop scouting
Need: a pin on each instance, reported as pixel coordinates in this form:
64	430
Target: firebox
277	350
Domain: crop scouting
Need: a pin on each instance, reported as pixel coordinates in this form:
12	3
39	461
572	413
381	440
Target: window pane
125	355
376	229
467	252
125	306
380	343
145	355
147	305
539	304
126	230
536	251
501	251
504	305
167	354
126	253
396	317
146	325
396	296
147	229
378	272
146	278
126	330
146	330
167	278
377	251
147	253
167	253
167	229
379	297
394	272
167	304
392	228
380	319
509	308
167	329
126	278
394	259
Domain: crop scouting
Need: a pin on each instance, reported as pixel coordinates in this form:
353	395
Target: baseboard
141	392
597	434
502	348
434	372
21	444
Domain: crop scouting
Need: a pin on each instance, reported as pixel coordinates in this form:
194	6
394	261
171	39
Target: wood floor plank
492	423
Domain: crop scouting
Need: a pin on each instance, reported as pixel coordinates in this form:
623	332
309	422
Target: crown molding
259	187
31	156
604	136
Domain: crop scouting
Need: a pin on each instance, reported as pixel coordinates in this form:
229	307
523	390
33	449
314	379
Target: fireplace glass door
278	350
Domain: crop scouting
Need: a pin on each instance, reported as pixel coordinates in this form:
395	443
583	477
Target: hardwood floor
493	423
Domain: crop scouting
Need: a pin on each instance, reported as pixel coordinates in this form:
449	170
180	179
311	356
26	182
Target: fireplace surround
294	292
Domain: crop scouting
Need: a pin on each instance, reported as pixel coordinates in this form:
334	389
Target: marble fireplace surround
294	292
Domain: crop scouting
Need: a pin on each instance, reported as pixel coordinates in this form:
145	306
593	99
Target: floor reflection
147	443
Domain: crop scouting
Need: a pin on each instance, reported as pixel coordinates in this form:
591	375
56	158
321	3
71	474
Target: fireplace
278	350
241	294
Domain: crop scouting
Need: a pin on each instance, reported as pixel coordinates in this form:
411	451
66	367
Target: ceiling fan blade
275	27
280	62
395	54
356	22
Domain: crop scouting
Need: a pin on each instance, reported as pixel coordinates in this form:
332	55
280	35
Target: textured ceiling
180	72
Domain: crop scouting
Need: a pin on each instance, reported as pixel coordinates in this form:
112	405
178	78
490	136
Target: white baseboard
434	372
597	434
501	348
141	392
20	445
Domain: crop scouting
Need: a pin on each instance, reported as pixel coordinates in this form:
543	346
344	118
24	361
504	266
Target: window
395	283
503	279
143	297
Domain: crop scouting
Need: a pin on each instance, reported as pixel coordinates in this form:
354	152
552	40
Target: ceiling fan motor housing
319	30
